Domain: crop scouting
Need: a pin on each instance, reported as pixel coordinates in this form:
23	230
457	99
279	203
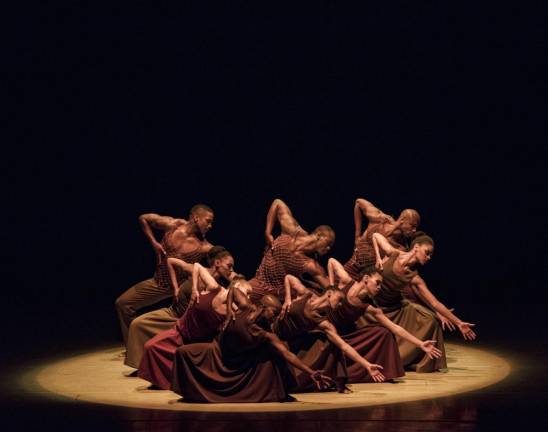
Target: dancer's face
408	227
324	244
424	252
225	266
204	221
372	284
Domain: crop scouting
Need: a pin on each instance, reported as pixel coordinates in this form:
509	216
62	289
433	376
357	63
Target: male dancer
181	239
292	252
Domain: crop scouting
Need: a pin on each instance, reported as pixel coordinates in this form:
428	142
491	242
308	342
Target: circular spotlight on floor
101	377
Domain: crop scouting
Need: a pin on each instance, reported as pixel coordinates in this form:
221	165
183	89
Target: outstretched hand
321	381
429	348
375	372
445	323
466	330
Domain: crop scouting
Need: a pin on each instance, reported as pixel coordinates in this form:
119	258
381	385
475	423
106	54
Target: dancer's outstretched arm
420	288
331	333
322	381
427	346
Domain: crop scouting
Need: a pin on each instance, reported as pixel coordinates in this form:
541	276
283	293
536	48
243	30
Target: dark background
121	111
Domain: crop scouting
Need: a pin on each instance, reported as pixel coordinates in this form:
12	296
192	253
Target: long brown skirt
201	375
144	328
375	343
421	323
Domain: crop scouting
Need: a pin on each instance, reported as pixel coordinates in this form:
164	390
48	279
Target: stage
100	377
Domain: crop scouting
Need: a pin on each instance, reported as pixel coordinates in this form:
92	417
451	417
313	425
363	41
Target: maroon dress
277	262
364	253
375	343
238	366
200	323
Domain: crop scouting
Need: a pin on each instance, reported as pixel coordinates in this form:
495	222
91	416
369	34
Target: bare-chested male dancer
292	252
181	239
397	232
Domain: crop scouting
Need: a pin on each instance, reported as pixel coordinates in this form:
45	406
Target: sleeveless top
344	317
162	274
390	295
295	323
201	321
278	261
364	253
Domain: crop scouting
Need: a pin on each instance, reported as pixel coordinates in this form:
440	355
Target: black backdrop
117	112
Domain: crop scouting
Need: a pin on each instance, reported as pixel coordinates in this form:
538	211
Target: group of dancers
294	326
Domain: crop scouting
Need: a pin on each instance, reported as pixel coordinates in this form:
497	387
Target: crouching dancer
241	364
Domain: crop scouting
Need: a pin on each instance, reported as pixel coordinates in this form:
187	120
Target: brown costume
416	319
238	366
375	343
299	329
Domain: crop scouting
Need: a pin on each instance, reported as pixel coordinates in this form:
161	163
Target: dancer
292	252
181	239
200	323
398	270
244	364
146	326
397	232
310	313
376	342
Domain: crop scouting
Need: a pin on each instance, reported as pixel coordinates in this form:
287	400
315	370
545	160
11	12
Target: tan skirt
144	328
422	324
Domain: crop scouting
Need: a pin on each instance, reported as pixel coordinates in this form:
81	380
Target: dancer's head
202	216
271	307
372	280
423	247
325	238
221	260
409	222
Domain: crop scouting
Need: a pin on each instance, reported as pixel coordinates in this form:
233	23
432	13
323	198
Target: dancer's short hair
411	215
200	209
325	231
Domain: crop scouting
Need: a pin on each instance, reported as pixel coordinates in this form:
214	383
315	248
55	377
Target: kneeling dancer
241	364
200	323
